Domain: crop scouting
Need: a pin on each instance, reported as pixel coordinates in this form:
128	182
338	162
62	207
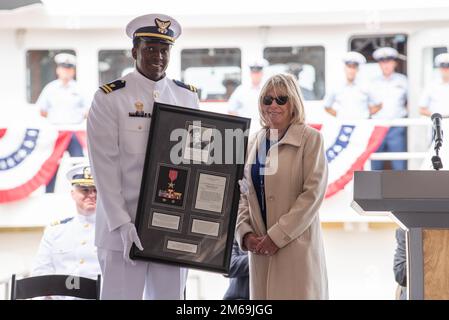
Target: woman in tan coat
283	187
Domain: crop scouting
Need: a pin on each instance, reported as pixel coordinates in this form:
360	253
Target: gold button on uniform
156	94
81	261
83	242
86	225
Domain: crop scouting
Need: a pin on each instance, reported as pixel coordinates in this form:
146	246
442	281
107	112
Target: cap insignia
87	174
162	26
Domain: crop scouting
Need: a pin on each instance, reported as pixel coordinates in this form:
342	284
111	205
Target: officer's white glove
244	188
129	236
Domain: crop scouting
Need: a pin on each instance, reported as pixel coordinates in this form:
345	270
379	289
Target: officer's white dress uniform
65	104
68	247
436	96
352	100
117	145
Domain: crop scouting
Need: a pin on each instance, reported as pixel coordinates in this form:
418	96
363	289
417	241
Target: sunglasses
280	100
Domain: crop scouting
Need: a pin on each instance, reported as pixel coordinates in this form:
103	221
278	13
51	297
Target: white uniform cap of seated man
385	53
355	58
65	60
258	65
80	175
442	60
154	28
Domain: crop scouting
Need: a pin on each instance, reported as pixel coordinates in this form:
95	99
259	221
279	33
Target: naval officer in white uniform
67	246
352	100
117	133
435	97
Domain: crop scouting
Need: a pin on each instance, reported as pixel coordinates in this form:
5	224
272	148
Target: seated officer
67	246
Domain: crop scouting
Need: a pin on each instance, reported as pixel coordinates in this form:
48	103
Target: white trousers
145	280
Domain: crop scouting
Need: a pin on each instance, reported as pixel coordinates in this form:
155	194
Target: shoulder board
112	86
185	86
58	222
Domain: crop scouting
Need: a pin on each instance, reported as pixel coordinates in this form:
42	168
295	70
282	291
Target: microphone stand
436	160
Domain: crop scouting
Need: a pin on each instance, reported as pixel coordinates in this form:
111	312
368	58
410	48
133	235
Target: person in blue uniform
67	246
117	134
62	103
392	89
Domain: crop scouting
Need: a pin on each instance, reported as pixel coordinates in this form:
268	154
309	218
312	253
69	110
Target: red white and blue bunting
348	147
29	156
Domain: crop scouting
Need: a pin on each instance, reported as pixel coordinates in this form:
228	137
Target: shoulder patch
112	86
58	222
185	86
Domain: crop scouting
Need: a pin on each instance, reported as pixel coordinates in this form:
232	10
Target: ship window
306	63
366	45
215	72
40	67
114	64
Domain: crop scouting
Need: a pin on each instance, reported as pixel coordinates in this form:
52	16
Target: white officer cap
258	65
385	53
442	60
353	57
65	60
80	175
154	28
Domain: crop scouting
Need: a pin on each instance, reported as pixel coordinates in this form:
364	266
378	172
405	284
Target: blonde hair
285	84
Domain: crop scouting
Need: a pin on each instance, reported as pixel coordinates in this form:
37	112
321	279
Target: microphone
437	136
437	131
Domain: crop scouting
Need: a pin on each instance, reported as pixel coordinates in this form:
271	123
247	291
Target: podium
419	202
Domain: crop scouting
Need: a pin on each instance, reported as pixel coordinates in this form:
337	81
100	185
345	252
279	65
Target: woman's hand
251	241
266	246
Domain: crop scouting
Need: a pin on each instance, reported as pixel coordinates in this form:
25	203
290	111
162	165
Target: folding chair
55	285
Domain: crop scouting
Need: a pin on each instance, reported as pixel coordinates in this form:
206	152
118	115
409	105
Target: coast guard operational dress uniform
67	246
436	96
352	100
392	92
117	133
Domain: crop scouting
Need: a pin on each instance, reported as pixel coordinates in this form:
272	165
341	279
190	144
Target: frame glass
189	193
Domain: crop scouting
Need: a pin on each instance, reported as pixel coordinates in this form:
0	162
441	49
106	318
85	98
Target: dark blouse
257	175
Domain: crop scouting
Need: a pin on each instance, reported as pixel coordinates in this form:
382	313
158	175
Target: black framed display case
189	193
